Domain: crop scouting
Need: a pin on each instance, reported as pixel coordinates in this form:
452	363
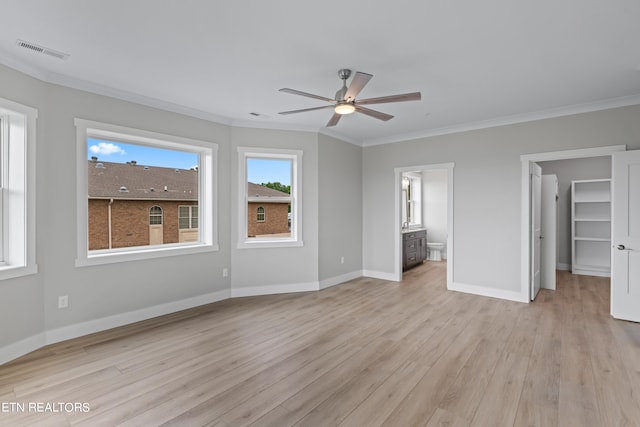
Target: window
188	217
270	202
132	185
260	214
155	215
17	189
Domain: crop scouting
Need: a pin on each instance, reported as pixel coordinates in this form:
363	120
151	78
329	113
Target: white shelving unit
591	227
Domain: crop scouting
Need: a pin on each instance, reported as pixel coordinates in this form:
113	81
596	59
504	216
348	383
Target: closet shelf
591	227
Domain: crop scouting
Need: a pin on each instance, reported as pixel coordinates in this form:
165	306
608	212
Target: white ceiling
477	63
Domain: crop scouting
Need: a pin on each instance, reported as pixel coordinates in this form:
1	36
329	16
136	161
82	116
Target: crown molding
333	134
80	84
569	110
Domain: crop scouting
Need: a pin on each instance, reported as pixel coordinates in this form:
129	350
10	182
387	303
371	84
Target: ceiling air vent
41	49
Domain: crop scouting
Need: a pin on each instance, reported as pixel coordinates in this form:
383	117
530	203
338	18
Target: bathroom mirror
411	199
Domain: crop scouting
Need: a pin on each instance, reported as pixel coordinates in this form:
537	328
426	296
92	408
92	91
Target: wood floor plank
443	418
367	352
499	405
578	406
384	399
421	403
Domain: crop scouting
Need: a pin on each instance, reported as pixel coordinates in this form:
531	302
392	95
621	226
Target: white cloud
106	148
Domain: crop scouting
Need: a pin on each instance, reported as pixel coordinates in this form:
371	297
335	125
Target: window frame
259	213
190	217
295	156
156	215
207	193
17	189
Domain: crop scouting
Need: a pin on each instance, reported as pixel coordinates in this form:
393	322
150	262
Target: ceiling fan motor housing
344	73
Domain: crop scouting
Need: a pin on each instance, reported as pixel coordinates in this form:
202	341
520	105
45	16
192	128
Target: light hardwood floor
364	353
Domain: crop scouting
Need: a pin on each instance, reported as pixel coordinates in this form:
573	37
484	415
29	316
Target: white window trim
19	204
207	189
295	156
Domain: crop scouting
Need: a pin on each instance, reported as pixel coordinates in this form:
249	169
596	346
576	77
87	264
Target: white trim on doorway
525	221
397	266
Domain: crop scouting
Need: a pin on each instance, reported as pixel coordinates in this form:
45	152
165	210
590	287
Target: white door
549	226
625	256
536	235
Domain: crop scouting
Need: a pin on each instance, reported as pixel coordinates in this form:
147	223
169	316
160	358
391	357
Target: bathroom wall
434	202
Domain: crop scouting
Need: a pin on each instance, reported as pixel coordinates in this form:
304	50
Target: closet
591	227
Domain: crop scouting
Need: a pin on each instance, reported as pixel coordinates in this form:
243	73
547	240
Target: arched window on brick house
155	215
260	214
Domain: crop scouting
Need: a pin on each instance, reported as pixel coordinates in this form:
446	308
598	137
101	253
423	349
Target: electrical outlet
225	272
63	301
341	260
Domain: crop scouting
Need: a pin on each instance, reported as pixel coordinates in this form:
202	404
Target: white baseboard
104	323
489	292
380	275
564	267
274	289
332	281
22	347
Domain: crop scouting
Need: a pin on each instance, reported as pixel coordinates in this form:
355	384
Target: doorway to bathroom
424	201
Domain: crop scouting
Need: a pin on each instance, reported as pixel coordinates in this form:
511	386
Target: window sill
135	254
270	244
13	271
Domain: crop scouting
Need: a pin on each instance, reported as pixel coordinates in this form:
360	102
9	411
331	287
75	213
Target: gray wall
487	188
21	305
340	207
486	217
256	267
567	171
28	308
101	291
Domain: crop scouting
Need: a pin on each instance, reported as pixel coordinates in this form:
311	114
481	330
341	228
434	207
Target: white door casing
625	256
536	231
549	226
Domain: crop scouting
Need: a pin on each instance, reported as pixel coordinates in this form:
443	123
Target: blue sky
258	170
117	152
269	170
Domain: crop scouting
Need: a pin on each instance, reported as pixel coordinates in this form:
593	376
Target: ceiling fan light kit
345	101
344	108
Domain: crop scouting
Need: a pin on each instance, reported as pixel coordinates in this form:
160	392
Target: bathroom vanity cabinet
591	227
414	248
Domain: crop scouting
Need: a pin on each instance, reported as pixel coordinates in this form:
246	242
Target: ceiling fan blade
306	109
334	119
413	96
308	95
373	113
359	81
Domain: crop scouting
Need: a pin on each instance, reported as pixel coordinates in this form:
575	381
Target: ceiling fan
345	99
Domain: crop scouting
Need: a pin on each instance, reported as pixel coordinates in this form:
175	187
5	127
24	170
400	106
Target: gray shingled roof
148	182
256	190
141	182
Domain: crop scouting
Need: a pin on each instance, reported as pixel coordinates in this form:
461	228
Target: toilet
434	251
